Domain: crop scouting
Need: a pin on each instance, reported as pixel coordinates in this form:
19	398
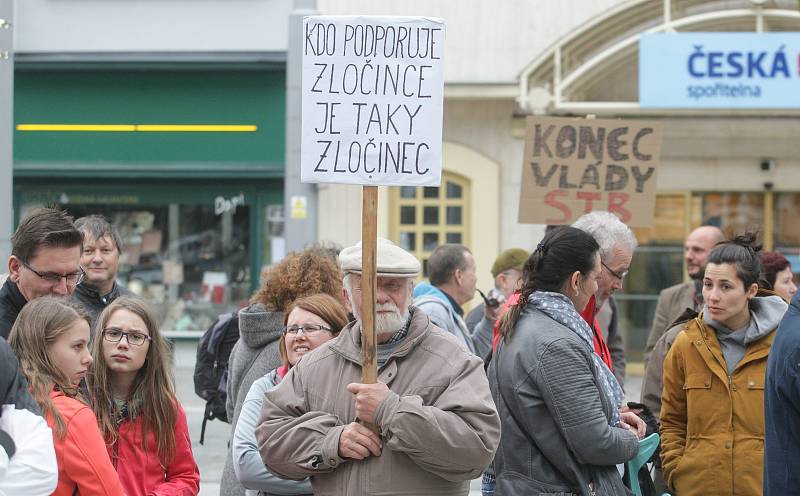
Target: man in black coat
782	407
102	247
45	260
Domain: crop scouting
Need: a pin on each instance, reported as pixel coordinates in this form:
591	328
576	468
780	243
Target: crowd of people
525	391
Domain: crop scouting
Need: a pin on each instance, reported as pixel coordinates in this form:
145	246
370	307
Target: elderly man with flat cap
437	426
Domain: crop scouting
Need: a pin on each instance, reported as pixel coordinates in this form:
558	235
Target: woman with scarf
133	396
712	407
563	425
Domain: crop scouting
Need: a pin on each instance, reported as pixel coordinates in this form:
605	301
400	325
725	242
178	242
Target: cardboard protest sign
574	166
372	91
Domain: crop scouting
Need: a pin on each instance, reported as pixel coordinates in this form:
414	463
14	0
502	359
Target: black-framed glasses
72	279
618	276
307	329
114	335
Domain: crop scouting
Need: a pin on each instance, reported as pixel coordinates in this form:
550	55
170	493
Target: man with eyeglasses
45	260
102	247
617	244
437	426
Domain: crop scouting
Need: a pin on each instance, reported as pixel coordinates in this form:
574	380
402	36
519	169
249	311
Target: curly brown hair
302	273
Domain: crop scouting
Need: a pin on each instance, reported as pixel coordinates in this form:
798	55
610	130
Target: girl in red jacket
134	399
50	338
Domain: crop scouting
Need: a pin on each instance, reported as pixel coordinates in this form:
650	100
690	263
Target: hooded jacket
140	471
255	354
247	463
436	304
782	407
83	463
712	422
438	424
27	457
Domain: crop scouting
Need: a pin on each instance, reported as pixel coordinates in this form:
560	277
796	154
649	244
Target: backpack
211	367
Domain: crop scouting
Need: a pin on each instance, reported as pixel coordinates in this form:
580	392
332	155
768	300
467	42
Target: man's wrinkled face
612	275
393	295
51	271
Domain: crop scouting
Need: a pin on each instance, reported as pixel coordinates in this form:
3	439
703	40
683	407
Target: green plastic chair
647	447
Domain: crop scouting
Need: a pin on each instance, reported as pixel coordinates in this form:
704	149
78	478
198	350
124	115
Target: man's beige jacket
439	425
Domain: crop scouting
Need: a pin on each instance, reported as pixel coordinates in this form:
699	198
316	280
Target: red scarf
589	314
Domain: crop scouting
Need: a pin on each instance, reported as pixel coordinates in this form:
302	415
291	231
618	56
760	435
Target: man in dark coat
45	260
102	247
782	407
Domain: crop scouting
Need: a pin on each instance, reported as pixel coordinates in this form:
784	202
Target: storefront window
188	261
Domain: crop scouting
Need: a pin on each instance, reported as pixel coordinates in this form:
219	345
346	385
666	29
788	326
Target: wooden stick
369	242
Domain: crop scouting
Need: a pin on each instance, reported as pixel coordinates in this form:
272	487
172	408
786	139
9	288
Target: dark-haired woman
778	273
712	414
559	403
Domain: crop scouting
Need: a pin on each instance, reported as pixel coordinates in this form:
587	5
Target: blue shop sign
719	70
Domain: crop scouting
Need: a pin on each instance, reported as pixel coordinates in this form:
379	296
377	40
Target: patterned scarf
559	308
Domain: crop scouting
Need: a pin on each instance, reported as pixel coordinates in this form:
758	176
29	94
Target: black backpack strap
206	416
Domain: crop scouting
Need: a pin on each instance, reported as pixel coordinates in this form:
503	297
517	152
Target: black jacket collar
91	292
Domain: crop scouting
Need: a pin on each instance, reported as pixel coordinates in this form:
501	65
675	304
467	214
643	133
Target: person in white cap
437	426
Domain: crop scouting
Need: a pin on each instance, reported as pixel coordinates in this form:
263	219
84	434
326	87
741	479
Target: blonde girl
50	337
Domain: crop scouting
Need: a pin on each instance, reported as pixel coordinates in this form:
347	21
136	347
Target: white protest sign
373	90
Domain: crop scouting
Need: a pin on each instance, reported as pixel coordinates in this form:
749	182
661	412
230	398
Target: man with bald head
673	301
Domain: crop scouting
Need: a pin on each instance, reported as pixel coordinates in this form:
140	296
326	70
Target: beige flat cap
392	261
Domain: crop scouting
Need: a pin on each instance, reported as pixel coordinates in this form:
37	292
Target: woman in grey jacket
563	427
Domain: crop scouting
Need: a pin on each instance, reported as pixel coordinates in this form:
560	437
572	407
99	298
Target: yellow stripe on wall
77	127
205	128
145	128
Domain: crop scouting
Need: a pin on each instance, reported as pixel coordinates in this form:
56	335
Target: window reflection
188	261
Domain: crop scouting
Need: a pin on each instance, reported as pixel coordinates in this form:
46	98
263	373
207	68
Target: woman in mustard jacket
712	416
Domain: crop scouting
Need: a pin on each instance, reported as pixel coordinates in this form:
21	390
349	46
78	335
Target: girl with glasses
310	322
51	338
133	396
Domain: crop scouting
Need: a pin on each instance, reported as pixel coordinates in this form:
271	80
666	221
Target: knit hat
513	258
392	261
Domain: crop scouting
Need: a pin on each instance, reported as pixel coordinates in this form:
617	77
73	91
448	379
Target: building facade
169	121
730	167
